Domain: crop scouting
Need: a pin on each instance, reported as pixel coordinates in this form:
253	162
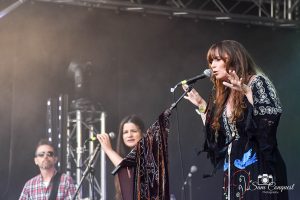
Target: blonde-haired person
241	119
131	131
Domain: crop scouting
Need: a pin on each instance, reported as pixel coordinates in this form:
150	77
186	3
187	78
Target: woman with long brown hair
131	131
241	119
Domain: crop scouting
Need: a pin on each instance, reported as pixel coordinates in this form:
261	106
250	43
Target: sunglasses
42	154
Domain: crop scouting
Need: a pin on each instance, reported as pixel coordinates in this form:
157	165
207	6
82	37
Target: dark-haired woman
131	131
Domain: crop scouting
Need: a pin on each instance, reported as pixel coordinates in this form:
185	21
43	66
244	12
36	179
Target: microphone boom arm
190	87
87	170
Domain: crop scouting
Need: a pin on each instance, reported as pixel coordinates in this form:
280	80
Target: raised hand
106	146
235	82
104	141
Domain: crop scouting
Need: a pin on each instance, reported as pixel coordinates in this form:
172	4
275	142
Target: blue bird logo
246	161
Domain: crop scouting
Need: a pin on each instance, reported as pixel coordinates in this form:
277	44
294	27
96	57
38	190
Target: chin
130	145
46	167
221	78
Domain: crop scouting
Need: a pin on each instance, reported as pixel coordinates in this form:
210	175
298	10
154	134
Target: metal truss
277	13
81	123
71	131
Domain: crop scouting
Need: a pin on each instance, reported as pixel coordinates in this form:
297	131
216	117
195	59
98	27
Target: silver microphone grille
112	135
207	72
194	168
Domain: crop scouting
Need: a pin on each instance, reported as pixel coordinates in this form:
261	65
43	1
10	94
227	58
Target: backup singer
241	119
131	131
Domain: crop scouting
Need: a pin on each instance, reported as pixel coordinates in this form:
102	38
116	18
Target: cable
179	142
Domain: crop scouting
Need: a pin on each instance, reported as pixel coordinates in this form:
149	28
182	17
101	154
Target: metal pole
103	160
49	120
259	8
190	186
59	132
11	8
272	8
289	10
79	150
91	151
284	9
68	150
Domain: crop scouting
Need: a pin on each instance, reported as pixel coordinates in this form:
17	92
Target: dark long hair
122	149
237	58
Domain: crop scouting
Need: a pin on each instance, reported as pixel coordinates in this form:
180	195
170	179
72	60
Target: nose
130	134
213	64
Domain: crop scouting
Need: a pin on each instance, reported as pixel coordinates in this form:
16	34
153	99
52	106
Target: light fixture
180	13
287	25
134	8
223	18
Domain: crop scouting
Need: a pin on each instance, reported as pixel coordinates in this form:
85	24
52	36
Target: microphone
188	181
206	73
192	170
112	135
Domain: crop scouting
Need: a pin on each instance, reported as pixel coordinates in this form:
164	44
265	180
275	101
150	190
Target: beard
46	164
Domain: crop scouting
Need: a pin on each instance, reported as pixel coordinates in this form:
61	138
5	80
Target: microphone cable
179	141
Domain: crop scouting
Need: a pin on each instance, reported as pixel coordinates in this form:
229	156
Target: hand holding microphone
112	135
104	136
104	140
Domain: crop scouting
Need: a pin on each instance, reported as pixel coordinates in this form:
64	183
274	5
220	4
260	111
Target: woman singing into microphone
241	120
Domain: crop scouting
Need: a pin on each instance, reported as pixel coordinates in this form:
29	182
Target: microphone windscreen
207	72
193	169
112	135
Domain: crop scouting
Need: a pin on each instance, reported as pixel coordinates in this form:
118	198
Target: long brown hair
122	149
236	58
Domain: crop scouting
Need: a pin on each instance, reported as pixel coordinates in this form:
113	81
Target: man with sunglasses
49	184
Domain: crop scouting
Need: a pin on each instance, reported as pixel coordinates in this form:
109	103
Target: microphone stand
88	169
190	87
188	181
190	186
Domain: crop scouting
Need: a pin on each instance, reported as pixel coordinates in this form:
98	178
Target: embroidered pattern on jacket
269	99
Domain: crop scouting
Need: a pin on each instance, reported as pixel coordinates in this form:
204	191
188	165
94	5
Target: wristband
201	109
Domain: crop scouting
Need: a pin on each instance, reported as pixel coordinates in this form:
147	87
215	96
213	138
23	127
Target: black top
247	148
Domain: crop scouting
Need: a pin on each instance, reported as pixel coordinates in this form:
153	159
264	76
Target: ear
55	159
35	160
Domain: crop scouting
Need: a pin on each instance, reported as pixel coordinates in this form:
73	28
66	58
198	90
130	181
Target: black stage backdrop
135	60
